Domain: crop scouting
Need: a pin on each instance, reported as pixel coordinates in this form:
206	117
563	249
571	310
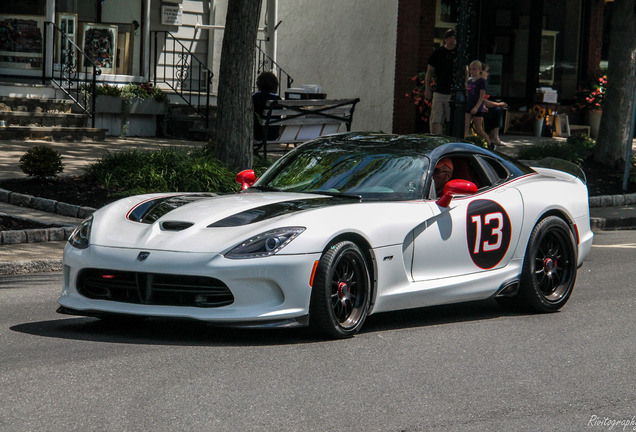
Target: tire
549	267
341	292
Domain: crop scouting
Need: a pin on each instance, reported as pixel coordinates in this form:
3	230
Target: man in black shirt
442	65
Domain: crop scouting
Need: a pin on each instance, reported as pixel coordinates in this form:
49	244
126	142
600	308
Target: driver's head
442	174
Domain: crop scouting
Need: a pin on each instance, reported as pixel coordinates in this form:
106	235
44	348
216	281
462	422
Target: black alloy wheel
341	292
549	269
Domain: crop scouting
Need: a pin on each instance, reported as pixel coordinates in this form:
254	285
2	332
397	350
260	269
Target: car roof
433	146
420	144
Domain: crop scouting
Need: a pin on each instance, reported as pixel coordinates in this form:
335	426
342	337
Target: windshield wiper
335	194
264	188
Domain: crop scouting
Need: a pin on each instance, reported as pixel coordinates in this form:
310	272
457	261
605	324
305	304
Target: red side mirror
456	187
246	178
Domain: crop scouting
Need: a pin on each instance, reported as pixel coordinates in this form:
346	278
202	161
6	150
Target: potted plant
592	100
422	104
129	110
108	99
540	113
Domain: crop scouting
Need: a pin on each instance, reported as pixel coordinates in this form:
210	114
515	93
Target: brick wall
415	34
593	34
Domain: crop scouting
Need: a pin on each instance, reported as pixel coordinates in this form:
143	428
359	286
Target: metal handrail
188	76
80	90
266	63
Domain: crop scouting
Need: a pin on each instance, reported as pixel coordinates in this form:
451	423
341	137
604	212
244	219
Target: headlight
265	244
80	237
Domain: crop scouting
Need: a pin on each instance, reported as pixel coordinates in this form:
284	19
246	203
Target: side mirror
456	187
245	178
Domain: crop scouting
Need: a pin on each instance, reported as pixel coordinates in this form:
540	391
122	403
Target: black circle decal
488	232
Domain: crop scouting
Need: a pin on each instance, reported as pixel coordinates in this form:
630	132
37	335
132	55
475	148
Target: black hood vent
175	225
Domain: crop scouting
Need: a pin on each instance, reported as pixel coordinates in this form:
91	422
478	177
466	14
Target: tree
621	81
234	122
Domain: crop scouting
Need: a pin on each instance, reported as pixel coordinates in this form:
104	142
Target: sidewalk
34	257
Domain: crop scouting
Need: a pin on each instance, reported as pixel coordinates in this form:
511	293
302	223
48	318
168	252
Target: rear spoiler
560	165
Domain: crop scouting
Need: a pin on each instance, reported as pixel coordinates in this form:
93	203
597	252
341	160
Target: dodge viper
337	229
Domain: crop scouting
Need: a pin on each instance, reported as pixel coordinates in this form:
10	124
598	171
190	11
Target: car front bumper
266	291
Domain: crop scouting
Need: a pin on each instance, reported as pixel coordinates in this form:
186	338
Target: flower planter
108	104
141	119
594	118
147	107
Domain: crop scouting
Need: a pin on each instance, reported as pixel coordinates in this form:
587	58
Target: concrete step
22	118
28	89
52	133
22	104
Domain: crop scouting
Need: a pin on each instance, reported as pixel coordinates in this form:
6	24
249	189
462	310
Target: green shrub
581	141
144	91
107	90
575	149
41	161
177	170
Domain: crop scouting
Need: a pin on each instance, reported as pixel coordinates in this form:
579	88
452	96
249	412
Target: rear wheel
549	269
341	291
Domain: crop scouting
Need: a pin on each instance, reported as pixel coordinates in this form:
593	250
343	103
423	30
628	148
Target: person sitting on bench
267	85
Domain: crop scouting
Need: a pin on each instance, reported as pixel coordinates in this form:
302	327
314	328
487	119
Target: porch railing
266	63
72	71
182	72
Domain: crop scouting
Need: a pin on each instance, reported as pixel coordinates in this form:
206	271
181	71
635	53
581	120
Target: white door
474	234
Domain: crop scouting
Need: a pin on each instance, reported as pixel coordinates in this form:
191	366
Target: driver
442	174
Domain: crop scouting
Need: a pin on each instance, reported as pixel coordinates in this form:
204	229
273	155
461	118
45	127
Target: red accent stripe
145	201
313	273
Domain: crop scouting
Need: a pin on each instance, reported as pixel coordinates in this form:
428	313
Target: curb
611	224
52	231
44	204
35	235
612	200
26	267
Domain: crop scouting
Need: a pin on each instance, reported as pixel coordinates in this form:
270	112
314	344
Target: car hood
215	224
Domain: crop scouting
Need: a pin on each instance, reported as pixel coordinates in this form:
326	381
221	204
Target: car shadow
438	315
156	331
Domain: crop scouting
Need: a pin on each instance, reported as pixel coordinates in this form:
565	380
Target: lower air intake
153	288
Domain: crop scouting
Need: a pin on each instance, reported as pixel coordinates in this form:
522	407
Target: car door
475	233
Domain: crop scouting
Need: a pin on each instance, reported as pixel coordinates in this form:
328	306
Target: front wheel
549	268
341	292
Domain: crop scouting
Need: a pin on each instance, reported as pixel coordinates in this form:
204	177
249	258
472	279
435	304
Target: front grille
153	288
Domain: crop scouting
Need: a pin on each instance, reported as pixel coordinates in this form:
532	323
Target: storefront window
562	27
506	40
21	35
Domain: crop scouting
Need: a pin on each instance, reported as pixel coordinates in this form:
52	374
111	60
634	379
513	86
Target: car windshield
370	172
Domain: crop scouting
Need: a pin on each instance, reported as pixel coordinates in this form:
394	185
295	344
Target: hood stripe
270	211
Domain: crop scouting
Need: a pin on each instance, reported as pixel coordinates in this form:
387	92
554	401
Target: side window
467	168
494	169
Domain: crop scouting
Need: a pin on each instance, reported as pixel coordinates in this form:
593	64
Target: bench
303	120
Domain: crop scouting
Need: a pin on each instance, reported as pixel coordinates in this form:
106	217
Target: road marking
617	246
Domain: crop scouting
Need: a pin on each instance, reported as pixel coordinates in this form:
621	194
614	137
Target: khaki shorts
440	111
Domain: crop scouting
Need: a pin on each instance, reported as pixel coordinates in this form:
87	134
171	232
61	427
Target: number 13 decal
488	233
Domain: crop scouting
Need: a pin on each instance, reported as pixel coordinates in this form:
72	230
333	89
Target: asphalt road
470	367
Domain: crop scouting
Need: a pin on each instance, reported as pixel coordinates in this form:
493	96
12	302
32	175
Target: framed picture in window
21	41
562	125
99	42
445	14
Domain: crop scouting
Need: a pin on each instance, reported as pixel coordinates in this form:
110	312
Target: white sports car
339	228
